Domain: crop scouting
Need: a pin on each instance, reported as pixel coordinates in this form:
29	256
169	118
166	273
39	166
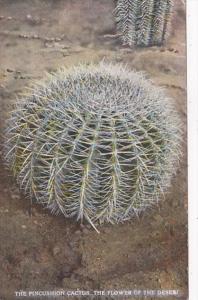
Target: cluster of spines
143	22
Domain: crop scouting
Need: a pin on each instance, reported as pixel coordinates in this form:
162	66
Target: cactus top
98	142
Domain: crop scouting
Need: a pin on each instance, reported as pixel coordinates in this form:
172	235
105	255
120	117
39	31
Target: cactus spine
143	22
97	142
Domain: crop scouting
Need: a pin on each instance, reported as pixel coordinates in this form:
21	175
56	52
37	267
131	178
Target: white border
192	86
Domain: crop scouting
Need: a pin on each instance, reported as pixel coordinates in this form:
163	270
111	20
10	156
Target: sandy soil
41	251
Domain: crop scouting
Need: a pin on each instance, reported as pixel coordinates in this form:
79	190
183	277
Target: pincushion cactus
98	142
143	23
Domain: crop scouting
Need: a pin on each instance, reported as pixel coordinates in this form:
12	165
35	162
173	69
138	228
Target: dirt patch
41	251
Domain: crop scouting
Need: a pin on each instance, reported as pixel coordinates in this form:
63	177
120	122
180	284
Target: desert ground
39	251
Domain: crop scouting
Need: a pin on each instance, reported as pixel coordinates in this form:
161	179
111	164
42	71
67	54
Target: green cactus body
98	142
143	22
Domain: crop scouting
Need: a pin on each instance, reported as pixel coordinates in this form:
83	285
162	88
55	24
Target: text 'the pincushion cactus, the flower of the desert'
96	142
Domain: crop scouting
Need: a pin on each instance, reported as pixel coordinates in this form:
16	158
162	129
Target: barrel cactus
143	23
96	142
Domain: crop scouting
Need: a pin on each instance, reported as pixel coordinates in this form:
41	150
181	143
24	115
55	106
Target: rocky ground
41	251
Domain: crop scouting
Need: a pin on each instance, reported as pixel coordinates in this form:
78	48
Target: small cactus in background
143	22
98	142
